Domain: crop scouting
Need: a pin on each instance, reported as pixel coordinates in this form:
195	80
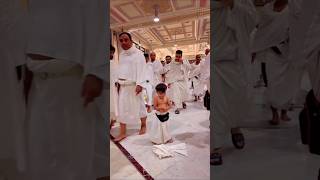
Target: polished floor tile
270	152
190	127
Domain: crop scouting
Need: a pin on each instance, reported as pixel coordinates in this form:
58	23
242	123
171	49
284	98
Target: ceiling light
156	19
175	45
156	13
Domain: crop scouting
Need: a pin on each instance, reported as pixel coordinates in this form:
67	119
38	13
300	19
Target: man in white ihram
157	69
66	54
176	78
271	46
194	75
235	20
305	42
148	85
12	104
130	81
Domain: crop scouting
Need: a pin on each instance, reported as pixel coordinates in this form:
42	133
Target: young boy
159	133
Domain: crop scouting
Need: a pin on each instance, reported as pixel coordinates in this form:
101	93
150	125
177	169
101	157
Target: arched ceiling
185	23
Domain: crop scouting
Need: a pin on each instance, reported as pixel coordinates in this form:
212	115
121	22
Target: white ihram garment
176	77
305	46
62	133
149	86
160	131
231	52
131	68
113	91
273	30
66	140
12	104
194	75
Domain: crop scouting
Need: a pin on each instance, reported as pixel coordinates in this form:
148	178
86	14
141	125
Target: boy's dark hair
161	88
168	56
126	34
112	48
179	52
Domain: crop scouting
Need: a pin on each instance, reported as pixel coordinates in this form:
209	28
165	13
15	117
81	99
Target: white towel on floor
165	150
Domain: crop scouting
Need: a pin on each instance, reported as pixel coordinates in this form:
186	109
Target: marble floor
120	161
191	126
270	152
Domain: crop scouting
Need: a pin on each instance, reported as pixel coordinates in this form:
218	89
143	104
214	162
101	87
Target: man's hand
91	88
138	89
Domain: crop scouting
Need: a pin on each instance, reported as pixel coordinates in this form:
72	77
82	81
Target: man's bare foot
285	117
274	121
148	109
275	117
143	130
120	137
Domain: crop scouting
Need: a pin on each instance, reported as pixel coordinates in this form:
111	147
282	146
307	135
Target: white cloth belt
75	71
126	82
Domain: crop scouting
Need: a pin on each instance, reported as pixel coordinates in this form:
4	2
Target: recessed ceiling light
156	19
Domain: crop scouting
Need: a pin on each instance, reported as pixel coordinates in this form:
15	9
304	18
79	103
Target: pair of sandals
238	142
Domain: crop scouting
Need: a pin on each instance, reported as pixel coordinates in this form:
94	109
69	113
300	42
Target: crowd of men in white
144	73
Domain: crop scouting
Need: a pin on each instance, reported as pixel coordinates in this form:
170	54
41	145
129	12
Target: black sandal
215	159
177	111
238	140
184	105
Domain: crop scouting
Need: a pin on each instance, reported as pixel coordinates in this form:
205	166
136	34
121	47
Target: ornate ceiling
185	23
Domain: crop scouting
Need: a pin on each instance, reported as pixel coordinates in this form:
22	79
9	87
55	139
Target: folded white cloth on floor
165	150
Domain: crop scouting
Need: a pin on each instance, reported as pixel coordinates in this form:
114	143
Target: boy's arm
155	102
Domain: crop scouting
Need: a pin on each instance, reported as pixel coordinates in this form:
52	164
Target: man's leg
284	115
149	90
143	118
275	116
177	96
143	128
